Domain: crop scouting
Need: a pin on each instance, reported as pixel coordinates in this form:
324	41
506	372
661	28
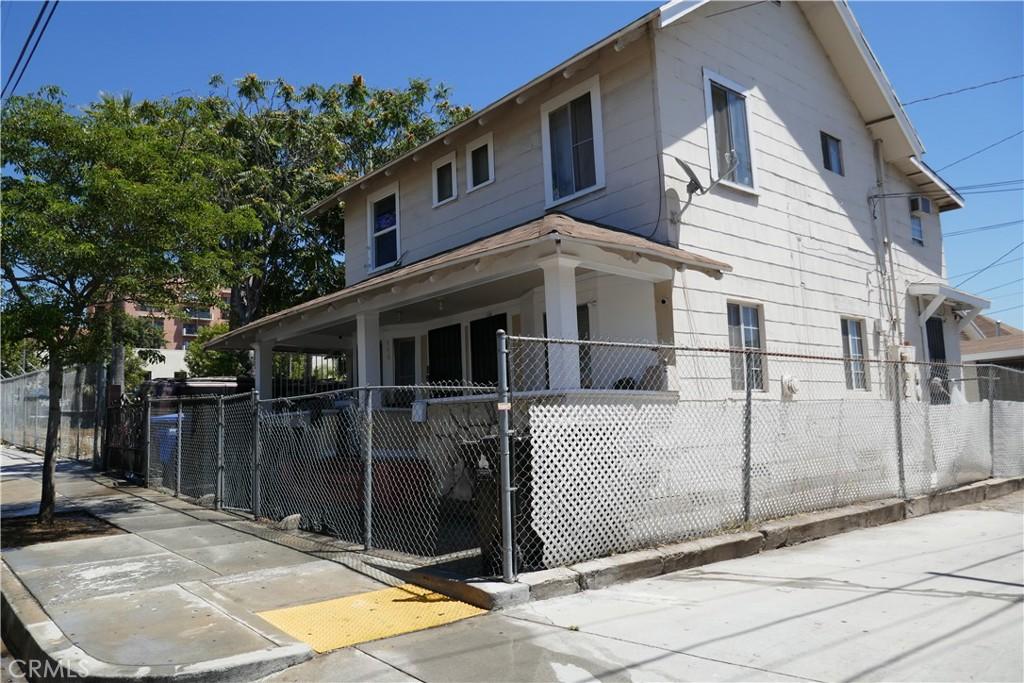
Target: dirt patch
18	532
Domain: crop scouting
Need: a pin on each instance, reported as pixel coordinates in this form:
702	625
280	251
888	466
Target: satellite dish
695	187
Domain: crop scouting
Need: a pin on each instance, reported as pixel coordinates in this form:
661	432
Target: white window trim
913	239
865	356
709	112
380	194
488	140
762	325
593	86
446	159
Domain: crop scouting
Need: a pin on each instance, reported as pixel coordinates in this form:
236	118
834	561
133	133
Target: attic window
480	162
445	182
382	215
832	153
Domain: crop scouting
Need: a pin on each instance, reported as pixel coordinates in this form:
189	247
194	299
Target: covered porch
435	321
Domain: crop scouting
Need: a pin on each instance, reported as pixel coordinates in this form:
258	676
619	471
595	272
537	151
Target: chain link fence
620	446
24	411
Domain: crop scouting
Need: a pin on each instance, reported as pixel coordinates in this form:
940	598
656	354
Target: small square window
445	182
479	162
832	153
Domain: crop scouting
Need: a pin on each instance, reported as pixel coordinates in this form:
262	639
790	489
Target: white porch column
368	349
560	307
263	368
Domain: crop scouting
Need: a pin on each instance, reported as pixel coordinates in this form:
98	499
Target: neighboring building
992	342
178	333
566	209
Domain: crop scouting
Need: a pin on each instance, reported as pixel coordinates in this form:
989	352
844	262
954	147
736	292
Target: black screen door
444	354
483	348
936	341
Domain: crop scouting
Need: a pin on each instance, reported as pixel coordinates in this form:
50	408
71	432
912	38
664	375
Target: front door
444	355
939	391
483	348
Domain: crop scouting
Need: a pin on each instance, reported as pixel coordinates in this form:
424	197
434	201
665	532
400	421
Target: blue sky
484	50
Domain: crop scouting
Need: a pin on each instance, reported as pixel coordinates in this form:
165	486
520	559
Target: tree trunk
49	493
117	352
245	301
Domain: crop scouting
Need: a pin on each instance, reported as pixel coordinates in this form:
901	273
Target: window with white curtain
853	354
728	131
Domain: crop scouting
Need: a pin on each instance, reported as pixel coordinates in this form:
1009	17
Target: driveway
935	598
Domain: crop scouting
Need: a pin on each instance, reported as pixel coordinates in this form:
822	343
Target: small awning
552	227
935	294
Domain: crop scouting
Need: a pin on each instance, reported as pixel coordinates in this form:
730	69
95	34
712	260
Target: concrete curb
32	636
808	526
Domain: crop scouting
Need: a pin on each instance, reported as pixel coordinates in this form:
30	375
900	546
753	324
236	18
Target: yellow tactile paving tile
340	622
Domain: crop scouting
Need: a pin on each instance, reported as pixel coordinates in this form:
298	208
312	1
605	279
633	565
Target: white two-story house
710	174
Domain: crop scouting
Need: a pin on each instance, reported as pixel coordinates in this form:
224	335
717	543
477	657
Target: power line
1004	263
980	228
1005	284
24	47
957	92
53	8
1004	310
983	149
979	272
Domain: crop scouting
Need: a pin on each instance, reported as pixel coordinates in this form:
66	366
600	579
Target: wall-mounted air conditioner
920	205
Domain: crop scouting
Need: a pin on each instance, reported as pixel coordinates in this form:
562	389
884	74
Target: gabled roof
844	42
552	226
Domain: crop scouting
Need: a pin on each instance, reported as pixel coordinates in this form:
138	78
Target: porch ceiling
554	231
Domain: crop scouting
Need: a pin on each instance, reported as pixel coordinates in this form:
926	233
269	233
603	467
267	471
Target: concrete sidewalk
177	595
934	598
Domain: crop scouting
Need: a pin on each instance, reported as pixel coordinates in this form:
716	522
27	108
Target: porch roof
550	227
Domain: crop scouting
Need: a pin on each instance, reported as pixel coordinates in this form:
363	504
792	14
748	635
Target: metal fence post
256	455
900	382
177	452
368	471
748	406
992	420
147	435
218	493
508	572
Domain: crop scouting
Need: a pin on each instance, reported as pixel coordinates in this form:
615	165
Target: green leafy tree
115	202
202	362
296	145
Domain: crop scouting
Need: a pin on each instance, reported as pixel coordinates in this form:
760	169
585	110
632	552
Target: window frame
446	159
370	234
709	112
486	139
849	359
920	224
759	308
593	86
825	139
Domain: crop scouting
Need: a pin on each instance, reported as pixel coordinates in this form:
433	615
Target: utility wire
1004	263
983	149
1004	310
979	272
24	47
1005	284
53	8
957	92
981	228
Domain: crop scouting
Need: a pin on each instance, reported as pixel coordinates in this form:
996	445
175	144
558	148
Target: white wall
174	361
803	247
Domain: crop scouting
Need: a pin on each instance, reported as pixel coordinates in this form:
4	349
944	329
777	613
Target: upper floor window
480	162
745	337
573	143
190	329
728	131
918	207
445	181
832	153
916	229
853	353
383	226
